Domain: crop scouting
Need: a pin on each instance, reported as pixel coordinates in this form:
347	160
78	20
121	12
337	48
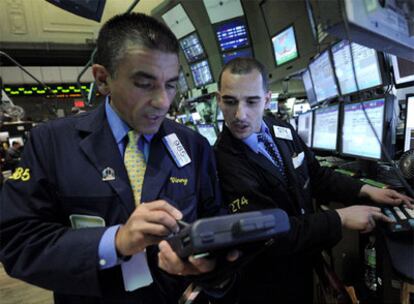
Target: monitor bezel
73	7
334	75
333	65
407	96
383	131
192	74
405	84
296	44
201	43
221	23
337	127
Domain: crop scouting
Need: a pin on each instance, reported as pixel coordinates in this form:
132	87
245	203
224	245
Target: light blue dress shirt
107	252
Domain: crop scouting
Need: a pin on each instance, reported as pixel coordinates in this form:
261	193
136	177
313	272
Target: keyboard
403	219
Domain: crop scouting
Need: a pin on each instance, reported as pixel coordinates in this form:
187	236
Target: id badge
177	150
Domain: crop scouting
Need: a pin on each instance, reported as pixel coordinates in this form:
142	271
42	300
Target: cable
383	149
92	60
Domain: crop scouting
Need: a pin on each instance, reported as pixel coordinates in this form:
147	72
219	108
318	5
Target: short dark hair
244	65
137	28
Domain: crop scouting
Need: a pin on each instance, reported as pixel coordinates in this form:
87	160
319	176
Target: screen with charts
209	132
341	53
307	83
232	34
323	77
182	82
325	128
305	127
201	73
358	139
409	124
367	69
284	46
192	48
235	54
403	71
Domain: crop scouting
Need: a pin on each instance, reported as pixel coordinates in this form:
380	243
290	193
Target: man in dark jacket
262	163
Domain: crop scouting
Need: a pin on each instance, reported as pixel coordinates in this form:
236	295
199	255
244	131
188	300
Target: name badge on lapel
282	132
176	150
298	160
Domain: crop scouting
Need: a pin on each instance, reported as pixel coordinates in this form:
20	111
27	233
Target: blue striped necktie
273	151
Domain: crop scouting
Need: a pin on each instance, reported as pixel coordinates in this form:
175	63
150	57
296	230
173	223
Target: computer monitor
409	124
232	34
292	122
90	9
201	73
323	77
357	138
182	82
341	53
403	72
325	128
367	67
209	132
235	54
284	46
299	108
192	48
305	127
307	83
19	139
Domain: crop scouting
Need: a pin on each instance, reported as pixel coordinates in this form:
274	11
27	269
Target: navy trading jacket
283	273
61	173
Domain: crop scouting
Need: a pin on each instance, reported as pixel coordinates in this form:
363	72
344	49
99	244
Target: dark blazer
283	273
62	164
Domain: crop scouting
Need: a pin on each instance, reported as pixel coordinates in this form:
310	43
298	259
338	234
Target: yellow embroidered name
237	204
176	180
21	174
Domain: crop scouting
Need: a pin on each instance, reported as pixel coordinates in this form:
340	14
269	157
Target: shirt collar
252	142
119	127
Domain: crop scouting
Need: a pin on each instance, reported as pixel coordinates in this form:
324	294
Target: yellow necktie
135	164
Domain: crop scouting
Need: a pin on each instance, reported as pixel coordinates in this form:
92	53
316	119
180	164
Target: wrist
119	252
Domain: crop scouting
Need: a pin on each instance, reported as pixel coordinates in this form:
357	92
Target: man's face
242	100
143	87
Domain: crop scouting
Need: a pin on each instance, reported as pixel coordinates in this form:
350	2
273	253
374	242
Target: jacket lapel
102	151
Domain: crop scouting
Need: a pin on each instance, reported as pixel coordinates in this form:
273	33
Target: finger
154	229
163	218
382	217
233	255
163	205
203	265
169	259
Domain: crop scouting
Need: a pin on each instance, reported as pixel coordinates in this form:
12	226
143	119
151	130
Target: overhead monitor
403	72
178	21
323	77
308	84
367	68
341	53
90	9
325	128
232	34
305	127
182	82
219	10
236	54
358	139
201	73
284	46
192	48
409	124
209	132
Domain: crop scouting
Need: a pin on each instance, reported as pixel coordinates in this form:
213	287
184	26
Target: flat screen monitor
201	73
305	127
235	54
90	9
323	77
367	68
358	139
292	122
232	34
209	132
299	108
403	72
284	46
182	82
325	128
409	124
19	139
341	53
307	83
192	48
